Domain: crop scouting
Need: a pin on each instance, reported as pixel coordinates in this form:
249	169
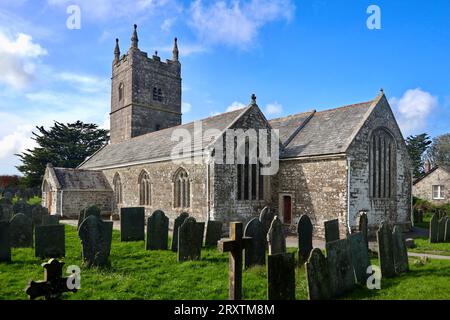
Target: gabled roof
430	172
78	179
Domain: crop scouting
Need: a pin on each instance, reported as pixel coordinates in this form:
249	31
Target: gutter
349	171
61	207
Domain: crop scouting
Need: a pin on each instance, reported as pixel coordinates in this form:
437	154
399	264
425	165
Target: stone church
333	164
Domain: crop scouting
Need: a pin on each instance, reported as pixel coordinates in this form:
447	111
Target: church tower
145	92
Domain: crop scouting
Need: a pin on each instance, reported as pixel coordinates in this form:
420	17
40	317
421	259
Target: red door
287	209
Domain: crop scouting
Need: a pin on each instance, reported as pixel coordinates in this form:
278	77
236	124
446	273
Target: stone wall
75	201
424	188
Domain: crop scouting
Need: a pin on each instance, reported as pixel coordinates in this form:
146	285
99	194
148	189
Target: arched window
145	190
117	189
182	192
155	93
160	96
250	181
382	155
120	91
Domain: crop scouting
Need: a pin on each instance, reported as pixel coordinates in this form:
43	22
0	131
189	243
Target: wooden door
49	201
287	209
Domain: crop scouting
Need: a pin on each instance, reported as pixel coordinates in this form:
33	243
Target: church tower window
117	189
182	192
144	189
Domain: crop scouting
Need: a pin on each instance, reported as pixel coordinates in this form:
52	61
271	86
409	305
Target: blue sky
295	55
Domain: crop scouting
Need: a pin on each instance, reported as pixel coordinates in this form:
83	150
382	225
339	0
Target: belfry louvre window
182	192
157	94
250	181
382	155
120	91
144	189
117	189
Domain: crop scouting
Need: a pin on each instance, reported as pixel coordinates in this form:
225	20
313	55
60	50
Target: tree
63	145
417	146
439	152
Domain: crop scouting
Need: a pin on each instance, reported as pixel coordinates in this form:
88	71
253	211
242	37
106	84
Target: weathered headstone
281	276
213	233
37	214
434	228
360	256
363	227
50	220
21	231
401	263
318	276
6	212
340	267
190	239
22	207
235	245
255	252
50	241
331	230
385	250
132	224
447	231
7	198
91	210
157	231
266	217
176	225
5	246
441	229
305	238
276	237
95	235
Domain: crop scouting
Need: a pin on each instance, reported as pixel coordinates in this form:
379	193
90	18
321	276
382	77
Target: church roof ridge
354	105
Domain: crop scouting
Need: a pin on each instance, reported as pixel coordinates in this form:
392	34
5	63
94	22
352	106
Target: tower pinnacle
134	38
116	51
175	50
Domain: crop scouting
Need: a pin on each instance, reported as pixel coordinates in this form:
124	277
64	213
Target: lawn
424	246
140	274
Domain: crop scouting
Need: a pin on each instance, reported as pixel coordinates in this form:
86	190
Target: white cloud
186	107
236	23
413	109
273	109
167	24
184	49
235	106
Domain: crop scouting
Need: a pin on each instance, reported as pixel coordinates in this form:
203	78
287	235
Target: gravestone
5	246
305	238
157	231
21	231
235	245
50	241
441	229
255	252
132	224
331	230
91	210
363	227
190	239
434	229
213	233
385	250
22	207
37	214
401	263
318	276
360	256
50	220
447	231
6	212
281	276
266	217
95	235
340	267
176	225
276	237
7	198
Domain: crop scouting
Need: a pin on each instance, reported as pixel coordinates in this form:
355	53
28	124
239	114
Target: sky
56	57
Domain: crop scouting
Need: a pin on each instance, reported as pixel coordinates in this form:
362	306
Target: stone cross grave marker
385	250
255	251
281	276
305	238
266	217
318	276
235	245
441	229
363	227
96	237
276	237
21	231
53	285
400	252
340	267
331	230
190	239
5	246
213	233
434	227
176	225
132	224
360	256
50	241
157	231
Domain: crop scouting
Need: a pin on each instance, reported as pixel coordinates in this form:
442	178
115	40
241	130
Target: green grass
424	246
34	201
140	274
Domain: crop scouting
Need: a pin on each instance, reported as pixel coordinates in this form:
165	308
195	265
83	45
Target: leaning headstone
276	237
318	276
21	231
340	267
255	251
132	224
157	231
385	250
190	238
441	229
331	230
281	276
5	246
434	228
363	225
37	214
360	256
50	220
305	238
95	235
213	233
176	225
401	263
50	241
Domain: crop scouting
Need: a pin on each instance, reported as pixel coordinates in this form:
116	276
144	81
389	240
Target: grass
140	274
424	246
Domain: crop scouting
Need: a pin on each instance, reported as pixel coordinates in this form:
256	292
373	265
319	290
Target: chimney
427	166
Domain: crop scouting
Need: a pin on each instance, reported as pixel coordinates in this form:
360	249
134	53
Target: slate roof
77	179
430	172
